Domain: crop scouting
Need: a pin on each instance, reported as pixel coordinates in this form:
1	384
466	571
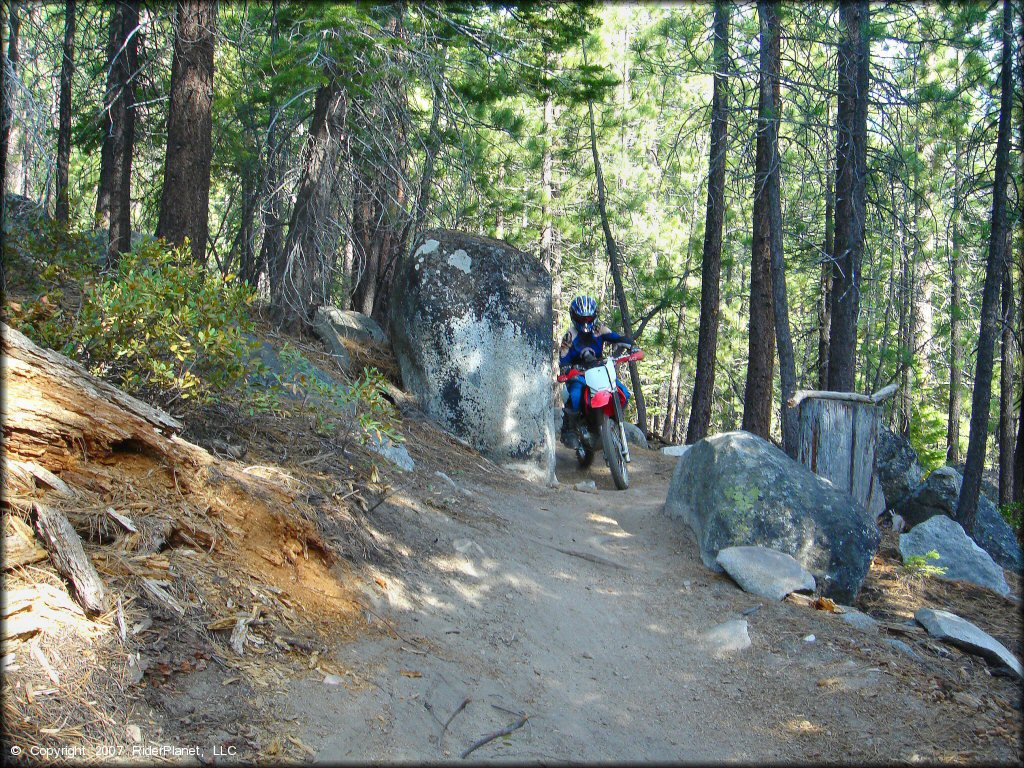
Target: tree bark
69	558
270	259
851	163
67	68
613	259
981	401
674	384
185	201
825	297
292	299
12	161
768	119
1008	363
757	398
714	217
955	354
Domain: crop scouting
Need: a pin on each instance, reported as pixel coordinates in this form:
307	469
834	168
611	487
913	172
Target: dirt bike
600	425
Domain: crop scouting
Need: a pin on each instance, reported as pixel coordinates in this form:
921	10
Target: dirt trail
585	611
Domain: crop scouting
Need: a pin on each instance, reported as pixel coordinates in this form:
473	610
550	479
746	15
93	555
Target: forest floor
457	601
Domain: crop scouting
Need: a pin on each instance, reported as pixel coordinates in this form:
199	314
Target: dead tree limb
69	558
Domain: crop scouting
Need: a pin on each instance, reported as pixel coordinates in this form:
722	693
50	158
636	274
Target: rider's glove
633	348
564	369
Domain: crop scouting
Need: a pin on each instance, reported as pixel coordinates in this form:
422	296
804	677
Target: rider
583	343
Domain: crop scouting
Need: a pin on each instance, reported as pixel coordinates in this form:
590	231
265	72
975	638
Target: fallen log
55	409
69	558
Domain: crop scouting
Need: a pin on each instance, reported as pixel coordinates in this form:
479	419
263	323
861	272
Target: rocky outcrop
471	329
940	495
736	489
897	466
958	554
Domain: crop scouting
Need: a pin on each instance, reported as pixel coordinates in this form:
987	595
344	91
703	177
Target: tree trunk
120	239
270	259
109	119
837	441
711	260
1008	363
67	68
292	300
185	201
768	133
613	260
13	165
851	163
825	297
955	386
982	399
674	385
757	398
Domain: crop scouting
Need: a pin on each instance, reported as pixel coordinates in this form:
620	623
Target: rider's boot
568	435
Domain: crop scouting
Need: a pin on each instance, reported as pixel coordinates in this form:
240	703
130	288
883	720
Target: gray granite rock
398	454
470	323
728	637
897	466
899	645
737	489
958	554
940	495
963	634
351	325
764	571
858	619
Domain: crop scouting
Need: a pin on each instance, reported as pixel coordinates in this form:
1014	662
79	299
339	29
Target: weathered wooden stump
838	435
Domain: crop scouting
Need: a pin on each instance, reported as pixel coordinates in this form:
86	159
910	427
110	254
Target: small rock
858	619
635	436
675	450
134	733
586	486
965	635
587	655
899	645
764	571
729	637
397	454
333	680
810	639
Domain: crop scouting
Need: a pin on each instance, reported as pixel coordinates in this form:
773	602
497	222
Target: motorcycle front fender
600	399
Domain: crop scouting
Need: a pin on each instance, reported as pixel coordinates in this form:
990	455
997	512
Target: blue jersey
574	342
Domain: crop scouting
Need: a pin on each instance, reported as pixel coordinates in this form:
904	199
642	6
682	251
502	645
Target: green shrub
1013	514
919	567
158	324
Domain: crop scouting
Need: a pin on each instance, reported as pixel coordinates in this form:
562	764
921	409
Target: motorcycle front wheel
613	453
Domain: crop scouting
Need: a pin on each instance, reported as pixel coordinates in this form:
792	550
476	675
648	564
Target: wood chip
122	520
20	545
410	673
162	596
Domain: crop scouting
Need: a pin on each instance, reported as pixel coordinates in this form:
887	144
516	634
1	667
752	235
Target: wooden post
838	434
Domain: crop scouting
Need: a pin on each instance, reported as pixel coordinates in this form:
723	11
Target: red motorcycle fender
600	399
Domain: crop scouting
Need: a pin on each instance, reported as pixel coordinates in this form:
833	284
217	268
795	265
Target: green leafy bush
918	566
1013	514
158	324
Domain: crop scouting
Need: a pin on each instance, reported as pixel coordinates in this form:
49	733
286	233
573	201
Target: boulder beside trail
939	494
897	466
958	554
736	489
471	328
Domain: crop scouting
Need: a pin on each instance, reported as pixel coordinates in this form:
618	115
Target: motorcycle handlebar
573	372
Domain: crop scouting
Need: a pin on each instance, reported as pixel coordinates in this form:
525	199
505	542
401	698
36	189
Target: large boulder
940	495
736	489
958	554
471	329
897	466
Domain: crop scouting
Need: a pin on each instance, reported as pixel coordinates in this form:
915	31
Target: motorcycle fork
618	423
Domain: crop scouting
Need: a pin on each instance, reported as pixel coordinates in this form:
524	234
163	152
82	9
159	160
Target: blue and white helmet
583	311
